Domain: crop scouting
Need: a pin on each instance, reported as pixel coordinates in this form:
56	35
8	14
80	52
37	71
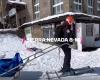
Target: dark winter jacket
61	32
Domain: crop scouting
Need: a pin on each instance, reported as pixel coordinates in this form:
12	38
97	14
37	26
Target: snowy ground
10	44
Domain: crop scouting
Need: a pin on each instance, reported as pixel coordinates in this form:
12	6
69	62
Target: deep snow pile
10	44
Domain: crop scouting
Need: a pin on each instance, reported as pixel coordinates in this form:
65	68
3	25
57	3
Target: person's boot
68	72
62	70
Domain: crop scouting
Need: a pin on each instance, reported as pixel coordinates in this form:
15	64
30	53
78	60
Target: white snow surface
17	2
10	44
10	29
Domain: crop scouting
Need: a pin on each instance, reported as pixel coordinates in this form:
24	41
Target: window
57	6
36	9
90	7
78	5
89	29
48	31
98	5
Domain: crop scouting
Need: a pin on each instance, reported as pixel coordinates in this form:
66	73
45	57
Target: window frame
89	7
89	29
55	7
50	29
98	3
77	4
37	9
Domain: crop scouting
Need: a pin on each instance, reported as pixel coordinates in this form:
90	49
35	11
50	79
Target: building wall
95	7
70	6
98	11
37	31
21	15
29	9
84	6
26	13
2	9
45	8
67	5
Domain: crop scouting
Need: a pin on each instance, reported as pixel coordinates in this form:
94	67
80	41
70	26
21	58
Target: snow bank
10	44
48	62
81	59
10	29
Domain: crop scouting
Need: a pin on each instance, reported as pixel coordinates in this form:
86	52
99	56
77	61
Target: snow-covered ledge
62	15
16	2
7	30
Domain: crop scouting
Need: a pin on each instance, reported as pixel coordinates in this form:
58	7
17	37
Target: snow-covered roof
8	30
16	2
50	19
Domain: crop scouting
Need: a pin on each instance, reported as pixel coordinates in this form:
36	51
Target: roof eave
79	17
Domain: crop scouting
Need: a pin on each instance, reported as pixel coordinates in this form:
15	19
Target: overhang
79	18
12	30
16	4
